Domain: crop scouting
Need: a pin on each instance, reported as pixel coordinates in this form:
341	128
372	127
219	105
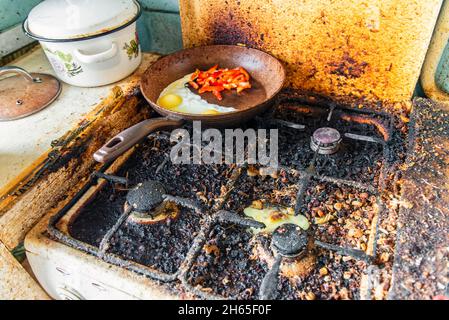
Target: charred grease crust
230	29
348	67
420	267
399	109
64	171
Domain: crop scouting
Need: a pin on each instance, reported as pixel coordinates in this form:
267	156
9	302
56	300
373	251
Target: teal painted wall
169	5
159	27
13	12
442	73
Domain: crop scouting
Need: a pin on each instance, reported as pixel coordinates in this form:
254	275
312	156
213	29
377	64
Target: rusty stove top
206	247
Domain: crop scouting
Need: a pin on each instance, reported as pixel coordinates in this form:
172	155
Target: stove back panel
361	49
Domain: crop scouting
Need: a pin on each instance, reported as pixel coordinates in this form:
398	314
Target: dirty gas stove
321	227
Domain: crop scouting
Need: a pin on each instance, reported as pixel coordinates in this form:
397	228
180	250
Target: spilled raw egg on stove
178	97
274	216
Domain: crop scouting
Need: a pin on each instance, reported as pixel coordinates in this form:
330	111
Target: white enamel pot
88	50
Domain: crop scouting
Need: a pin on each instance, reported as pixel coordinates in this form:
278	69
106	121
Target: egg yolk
211	111
170	101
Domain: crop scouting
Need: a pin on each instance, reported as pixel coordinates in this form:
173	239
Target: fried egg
178	97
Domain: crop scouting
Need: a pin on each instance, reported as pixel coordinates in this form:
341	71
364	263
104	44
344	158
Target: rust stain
232	29
342	49
383	130
348	67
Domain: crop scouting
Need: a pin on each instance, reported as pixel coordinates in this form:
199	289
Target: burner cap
325	140
146	196
289	240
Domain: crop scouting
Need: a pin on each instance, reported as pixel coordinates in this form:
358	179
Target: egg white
191	103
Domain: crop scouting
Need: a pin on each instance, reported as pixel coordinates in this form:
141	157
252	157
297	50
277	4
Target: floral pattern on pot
63	62
132	49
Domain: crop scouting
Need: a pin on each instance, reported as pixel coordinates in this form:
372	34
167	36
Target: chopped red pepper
216	80
194	85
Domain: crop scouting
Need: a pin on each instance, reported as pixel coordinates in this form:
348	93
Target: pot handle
129	137
98	57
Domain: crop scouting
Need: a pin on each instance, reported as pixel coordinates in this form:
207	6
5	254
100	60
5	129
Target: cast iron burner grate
310	162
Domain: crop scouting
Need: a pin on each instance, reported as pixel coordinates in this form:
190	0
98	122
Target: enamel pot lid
72	20
23	93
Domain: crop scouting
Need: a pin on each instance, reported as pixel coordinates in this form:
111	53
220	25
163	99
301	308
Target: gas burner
140	200
289	240
146	196
147	203
325	140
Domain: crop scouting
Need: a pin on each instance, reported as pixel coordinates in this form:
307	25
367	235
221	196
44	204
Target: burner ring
325	141
146	196
289	240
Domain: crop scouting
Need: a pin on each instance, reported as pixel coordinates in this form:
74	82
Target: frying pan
267	78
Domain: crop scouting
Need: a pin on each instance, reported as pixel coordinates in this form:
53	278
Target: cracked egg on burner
274	216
